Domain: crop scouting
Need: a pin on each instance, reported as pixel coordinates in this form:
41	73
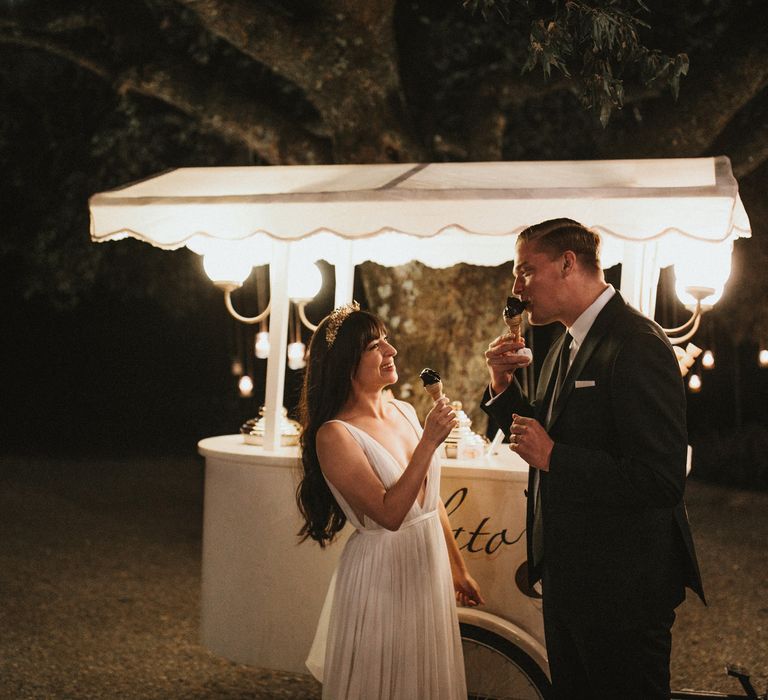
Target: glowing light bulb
762	358
708	359
703	268
304	282
694	384
227	265
245	386
296	355
237	368
261	346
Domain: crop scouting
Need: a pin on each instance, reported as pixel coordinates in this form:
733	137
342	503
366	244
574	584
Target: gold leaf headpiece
338	316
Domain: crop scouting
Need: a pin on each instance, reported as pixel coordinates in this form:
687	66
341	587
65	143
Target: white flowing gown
388	629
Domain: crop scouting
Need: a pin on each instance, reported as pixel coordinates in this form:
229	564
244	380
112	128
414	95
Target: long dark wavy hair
327	385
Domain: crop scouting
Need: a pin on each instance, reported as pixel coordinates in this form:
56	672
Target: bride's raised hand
439	422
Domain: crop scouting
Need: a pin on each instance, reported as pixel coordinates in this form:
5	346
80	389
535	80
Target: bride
389	627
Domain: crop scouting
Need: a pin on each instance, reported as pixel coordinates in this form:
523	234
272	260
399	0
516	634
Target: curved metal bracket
694	317
693	323
303	316
695	320
245	319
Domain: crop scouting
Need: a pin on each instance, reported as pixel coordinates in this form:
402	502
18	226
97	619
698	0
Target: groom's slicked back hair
555	236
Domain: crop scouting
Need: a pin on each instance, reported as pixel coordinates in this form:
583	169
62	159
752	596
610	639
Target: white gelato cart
262	592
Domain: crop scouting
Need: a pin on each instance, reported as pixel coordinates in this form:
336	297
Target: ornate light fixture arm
698	293
239	317
692	323
303	316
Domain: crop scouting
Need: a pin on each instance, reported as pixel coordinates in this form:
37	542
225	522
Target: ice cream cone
513	315
514	323
434	390
433	385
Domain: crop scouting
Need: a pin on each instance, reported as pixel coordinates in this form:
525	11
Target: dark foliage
599	41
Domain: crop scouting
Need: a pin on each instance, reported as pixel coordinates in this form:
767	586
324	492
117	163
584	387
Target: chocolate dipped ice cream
433	385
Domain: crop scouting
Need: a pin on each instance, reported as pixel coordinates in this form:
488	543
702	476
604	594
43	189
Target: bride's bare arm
467	590
347	468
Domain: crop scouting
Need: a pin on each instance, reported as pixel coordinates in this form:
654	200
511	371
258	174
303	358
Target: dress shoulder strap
409	415
358	434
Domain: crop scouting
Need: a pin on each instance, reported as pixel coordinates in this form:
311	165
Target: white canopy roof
652	213
391	213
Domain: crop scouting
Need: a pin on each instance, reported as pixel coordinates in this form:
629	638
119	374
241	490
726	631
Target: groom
606	440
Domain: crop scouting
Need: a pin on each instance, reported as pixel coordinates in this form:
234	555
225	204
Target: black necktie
562	365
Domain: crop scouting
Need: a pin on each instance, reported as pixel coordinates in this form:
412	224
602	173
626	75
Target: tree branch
750	150
343	57
499	92
298	49
709	98
181	84
276	138
57	49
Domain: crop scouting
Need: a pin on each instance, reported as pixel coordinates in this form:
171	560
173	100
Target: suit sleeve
646	465
511	400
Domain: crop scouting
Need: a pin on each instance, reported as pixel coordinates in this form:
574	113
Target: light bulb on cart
296	353
227	267
701	272
245	386
261	346
304	282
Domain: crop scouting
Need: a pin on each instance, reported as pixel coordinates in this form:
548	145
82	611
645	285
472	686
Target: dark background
120	347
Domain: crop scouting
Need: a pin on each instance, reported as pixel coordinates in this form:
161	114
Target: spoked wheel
498	670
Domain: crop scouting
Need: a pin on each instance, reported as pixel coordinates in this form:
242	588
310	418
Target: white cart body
263	591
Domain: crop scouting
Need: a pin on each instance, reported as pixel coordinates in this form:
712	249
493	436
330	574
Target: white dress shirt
579	331
583	323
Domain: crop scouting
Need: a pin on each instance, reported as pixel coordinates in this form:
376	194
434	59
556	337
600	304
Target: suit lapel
547	380
594	337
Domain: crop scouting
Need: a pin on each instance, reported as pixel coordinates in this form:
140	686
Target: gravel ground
100	580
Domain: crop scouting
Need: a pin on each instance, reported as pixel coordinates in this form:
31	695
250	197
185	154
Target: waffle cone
514	323
434	390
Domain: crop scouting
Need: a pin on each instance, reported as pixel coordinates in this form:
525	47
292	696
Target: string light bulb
261	346
245	386
762	357
296	353
708	359
694	384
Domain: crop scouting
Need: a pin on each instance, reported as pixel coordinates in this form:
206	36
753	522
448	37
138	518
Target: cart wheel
498	670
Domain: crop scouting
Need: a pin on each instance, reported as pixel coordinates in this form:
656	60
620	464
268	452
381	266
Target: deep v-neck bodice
382	445
388	468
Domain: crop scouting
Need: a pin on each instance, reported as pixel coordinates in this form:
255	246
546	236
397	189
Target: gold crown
337	317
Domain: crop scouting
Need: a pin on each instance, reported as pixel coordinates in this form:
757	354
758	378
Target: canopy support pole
640	276
345	274
278	341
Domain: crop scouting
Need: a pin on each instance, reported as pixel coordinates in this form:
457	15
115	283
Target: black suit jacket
617	543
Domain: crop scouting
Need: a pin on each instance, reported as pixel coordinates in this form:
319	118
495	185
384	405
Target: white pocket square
584	383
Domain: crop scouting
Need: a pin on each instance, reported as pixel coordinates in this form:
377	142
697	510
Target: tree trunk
443	319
